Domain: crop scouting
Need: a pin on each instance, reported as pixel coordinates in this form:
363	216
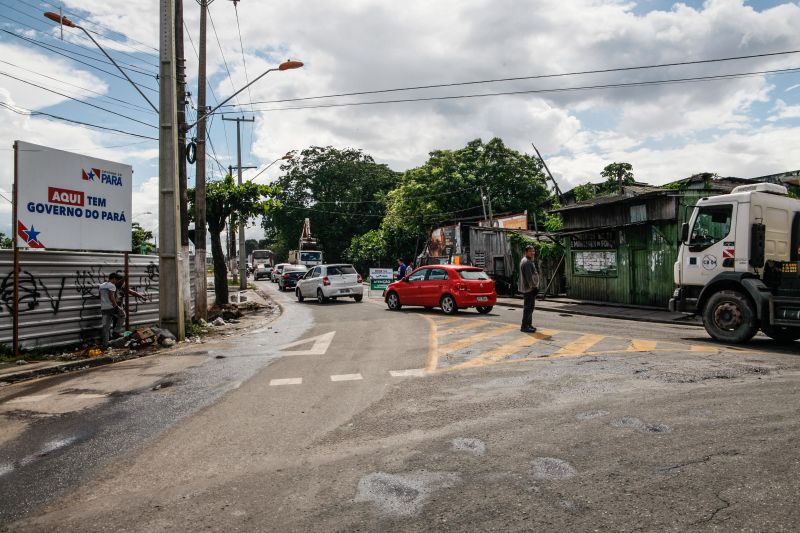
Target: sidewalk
607	310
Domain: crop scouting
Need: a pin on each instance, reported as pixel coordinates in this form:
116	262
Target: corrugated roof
629	192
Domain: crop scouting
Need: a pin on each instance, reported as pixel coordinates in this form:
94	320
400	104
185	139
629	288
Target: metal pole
127	302
15	232
200	282
558	190
170	301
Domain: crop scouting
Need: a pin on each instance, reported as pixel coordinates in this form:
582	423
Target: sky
744	126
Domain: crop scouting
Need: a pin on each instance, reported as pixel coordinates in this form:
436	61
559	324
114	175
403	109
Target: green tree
141	239
342	192
615	173
226	202
250	245
367	250
5	242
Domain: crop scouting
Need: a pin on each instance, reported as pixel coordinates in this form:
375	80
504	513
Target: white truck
739	264
309	258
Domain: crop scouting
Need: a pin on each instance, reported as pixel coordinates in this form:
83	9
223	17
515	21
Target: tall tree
342	192
225	202
141	239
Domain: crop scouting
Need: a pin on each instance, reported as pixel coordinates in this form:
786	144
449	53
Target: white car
262	270
325	282
277	271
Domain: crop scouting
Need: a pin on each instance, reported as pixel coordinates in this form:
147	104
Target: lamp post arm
228	99
89	35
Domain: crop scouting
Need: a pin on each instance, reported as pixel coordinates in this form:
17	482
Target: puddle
550	468
402	494
473	446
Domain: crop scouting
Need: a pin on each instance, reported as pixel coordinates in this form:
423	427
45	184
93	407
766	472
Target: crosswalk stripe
472	324
285	381
346	377
410	372
639	345
474	339
580	345
507	349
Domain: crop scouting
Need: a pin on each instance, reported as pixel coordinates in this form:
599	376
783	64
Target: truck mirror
685	232
758	236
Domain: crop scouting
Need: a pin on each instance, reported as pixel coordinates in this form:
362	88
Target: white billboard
70	201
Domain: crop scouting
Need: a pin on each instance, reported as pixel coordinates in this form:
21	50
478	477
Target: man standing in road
110	308
529	287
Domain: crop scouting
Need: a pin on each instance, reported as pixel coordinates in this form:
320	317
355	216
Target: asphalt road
346	416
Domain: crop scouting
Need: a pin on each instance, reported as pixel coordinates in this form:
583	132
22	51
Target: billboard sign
380	278
509	222
444	241
70	201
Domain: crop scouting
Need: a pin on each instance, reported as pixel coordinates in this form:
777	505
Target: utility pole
483	205
239	168
180	72
555	185
489	201
170	294
200	283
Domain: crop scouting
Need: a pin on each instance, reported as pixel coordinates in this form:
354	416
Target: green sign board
379	284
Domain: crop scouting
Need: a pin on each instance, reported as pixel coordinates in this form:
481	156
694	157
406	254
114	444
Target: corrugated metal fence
59	300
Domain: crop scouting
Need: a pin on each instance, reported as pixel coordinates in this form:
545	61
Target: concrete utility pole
180	71
200	282
239	168
170	294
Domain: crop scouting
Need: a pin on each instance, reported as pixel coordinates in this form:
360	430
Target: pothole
550	469
402	495
473	446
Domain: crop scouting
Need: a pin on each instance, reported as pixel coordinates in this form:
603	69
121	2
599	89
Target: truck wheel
729	317
781	333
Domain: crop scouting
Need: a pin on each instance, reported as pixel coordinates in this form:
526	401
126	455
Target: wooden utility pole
200	282
170	295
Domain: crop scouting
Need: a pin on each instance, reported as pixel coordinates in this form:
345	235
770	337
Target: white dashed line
346	377
411	372
285	381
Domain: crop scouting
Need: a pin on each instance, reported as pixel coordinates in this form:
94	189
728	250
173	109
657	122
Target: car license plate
482	298
343	291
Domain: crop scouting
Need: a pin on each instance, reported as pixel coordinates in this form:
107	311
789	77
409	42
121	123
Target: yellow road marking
448	320
499	353
463	327
580	345
704	348
639	345
478	337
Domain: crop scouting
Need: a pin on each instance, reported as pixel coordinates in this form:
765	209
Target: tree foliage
615	173
5	242
342	192
141	239
226	202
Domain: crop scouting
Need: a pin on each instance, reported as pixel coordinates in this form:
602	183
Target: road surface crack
704	459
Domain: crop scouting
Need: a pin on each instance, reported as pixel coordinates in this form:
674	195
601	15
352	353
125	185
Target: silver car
277	272
326	282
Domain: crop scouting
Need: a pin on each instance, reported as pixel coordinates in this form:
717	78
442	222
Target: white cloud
783	111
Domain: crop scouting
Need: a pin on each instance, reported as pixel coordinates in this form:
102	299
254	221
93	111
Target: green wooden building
622	248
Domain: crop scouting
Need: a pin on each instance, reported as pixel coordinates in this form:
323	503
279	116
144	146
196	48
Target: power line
76	35
224	61
542	91
433	195
119	101
76	16
77	99
28	112
51	49
246	75
533	77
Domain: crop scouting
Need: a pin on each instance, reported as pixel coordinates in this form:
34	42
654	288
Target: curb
63	368
540	307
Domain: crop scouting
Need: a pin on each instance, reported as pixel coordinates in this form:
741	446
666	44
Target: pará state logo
106	177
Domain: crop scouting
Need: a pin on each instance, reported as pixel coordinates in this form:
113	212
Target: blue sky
743	126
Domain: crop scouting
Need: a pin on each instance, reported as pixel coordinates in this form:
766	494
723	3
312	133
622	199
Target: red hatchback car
451	287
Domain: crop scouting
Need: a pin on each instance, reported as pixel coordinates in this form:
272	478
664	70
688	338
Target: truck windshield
261	254
713	223
310	256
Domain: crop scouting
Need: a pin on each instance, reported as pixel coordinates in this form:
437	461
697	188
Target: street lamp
286	157
286	65
64	21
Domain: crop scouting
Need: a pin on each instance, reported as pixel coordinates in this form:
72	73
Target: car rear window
341	269
295	269
473	274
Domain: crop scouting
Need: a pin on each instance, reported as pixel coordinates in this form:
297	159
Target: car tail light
286	276
326	281
360	279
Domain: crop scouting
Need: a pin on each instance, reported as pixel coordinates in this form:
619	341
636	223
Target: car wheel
484	309
448	305
358	298
299	295
321	297
393	301
781	333
729	317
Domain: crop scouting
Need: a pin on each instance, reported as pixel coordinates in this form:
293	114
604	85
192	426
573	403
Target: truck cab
738	261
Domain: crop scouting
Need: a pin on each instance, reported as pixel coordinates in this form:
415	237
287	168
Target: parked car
277	271
451	287
325	282
290	275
